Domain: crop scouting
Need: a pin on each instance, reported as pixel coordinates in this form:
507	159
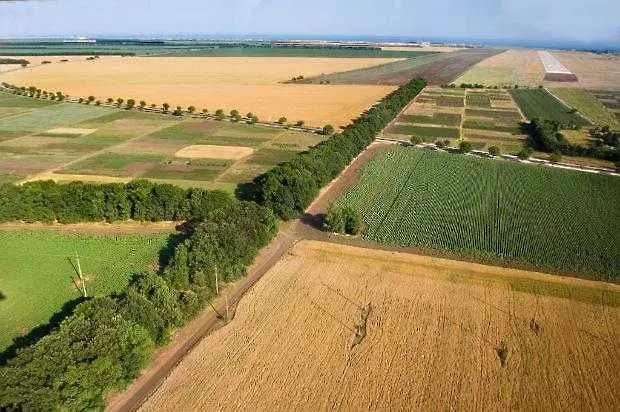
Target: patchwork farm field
247	84
541	104
437	335
70	141
39	272
483	117
496	211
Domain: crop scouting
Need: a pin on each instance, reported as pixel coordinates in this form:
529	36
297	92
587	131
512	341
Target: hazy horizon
530	21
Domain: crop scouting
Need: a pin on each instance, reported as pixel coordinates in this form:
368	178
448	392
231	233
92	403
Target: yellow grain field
515	66
248	84
339	327
204	151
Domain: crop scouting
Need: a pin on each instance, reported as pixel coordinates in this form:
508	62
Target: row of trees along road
288	189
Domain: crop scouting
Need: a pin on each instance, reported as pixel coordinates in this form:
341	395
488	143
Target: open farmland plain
439	334
491	210
247	84
40	272
42	140
437	69
515	66
523	67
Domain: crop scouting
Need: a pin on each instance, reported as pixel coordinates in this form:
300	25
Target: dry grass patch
214	152
70	131
438	334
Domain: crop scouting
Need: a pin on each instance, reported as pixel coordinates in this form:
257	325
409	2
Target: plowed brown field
440	335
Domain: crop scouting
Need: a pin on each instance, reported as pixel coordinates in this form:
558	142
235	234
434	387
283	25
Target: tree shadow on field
2	296
37	333
316	221
167	251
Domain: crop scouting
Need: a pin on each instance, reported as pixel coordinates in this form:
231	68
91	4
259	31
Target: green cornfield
492	210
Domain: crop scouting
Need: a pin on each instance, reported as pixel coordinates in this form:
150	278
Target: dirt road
210	319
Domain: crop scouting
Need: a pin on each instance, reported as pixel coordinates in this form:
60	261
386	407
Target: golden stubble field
436	337
248	84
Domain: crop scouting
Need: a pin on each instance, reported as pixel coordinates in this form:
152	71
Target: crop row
492	210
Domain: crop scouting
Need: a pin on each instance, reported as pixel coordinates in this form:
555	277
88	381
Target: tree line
141	200
545	135
104	344
288	189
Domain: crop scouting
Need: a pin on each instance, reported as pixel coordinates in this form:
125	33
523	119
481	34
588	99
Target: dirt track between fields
98	228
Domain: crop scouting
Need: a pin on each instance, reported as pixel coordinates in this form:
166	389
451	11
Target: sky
563	20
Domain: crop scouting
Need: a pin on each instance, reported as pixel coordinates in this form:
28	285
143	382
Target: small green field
492	210
588	105
52	116
39	275
538	103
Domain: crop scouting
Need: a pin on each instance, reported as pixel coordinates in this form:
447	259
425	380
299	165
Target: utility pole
77	258
227	318
217	287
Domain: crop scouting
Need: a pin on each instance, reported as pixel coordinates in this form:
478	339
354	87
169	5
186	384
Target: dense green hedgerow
288	189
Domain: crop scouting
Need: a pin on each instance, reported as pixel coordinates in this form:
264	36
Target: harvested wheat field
340	327
515	66
205	151
249	84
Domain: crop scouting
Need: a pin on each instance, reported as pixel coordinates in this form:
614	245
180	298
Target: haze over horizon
531	20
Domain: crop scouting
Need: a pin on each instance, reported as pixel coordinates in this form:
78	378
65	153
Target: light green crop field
52	116
539	103
588	105
38	275
492	210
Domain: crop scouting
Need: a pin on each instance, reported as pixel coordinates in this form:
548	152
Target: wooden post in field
227	319
217	287
77	258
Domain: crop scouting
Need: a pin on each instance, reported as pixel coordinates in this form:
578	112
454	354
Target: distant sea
508	43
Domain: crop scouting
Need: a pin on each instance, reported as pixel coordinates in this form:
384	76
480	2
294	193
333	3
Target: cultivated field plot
247	84
611	101
436	337
492	210
492	118
437	69
109	145
48	278
539	103
588	105
434	114
483	117
512	67
594	71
